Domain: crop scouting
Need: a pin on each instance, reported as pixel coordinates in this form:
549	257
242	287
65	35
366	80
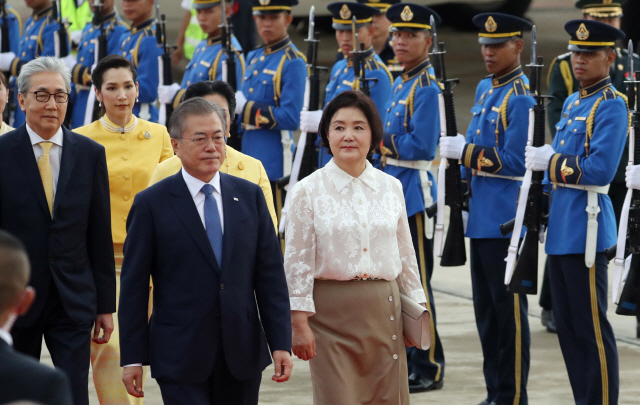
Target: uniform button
577	103
397	114
82	59
200	74
575	130
222	286
562	142
345	70
264	82
188	82
390	298
85	43
126	198
255	73
393	104
399	87
492	121
388	124
251	90
261	58
395	357
355	181
491	92
125	158
569	122
394	337
126	177
392	318
365	250
123	137
478	132
558	127
482	111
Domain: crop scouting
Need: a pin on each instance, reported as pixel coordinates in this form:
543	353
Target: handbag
415	322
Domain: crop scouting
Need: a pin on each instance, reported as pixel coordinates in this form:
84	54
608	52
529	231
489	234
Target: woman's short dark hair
351	99
208	88
108	63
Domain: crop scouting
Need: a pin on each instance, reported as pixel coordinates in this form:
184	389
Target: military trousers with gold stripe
503	326
586	337
105	359
425	363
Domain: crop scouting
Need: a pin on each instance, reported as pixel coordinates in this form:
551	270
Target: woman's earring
99	103
137	100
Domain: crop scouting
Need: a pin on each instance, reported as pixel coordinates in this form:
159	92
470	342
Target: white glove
5	60
310	120
70	61
537	159
632	177
241	101
166	94
465	220
451	147
76	37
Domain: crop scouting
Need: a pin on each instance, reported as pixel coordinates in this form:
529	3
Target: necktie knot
46	147
207	189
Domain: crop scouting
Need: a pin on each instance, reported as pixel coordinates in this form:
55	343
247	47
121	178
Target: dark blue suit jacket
198	307
74	250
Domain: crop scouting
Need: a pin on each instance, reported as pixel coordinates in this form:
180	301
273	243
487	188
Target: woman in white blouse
4	99
348	257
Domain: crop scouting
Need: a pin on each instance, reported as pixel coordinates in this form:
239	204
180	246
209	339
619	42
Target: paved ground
548	383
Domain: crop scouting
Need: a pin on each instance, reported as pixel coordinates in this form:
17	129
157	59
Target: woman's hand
303	342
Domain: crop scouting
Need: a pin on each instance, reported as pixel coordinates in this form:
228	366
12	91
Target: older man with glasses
54	196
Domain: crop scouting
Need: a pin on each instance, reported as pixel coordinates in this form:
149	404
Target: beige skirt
360	352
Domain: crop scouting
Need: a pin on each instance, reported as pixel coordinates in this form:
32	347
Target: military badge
490	25
264	2
345	13
406	14
582	34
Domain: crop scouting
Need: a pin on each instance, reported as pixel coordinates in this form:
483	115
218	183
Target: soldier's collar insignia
490	25
345	13
264	2
406	14
582	34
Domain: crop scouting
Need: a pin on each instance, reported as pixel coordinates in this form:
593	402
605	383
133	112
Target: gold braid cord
590	119
502	112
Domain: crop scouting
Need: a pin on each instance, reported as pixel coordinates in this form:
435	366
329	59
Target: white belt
287	157
498	176
423	167
592	223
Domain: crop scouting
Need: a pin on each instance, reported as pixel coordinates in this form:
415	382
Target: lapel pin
235	198
147	134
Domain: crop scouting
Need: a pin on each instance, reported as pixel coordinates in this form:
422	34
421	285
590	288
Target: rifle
306	160
359	62
61	37
626	287
229	73
5	46
524	278
453	252
164	60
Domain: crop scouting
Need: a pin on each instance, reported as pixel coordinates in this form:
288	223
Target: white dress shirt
194	185
6	336
341	227
55	153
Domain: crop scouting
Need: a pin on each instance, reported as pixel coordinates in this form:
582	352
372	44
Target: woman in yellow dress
134	147
236	163
4	99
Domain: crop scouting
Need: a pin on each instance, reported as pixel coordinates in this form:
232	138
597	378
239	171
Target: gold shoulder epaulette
519	88
609	94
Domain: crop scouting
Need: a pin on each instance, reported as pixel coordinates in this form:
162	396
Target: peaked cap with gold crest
381	5
261	7
496	28
343	12
591	36
601	8
203	4
411	17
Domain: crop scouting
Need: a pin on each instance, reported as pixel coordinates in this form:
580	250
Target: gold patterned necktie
44	167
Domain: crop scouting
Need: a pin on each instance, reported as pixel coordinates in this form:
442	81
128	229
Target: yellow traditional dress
5	128
236	164
133	153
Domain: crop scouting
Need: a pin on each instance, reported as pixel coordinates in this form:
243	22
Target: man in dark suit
220	294
21	377
54	196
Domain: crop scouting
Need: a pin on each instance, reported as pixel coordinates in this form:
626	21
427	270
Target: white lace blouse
341	227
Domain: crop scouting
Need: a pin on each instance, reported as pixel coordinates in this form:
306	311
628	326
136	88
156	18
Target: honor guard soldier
493	153
81	67
139	45
209	56
583	160
411	134
343	75
272	92
36	40
14	23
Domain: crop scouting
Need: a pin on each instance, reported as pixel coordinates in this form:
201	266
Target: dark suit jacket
197	306
23	378
74	250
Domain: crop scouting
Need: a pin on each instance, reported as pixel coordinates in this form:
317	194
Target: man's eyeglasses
200	141
44	96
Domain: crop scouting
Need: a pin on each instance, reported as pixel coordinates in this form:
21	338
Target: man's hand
451	147
104	322
241	101
132	379
5	60
310	120
304	342
632	176
166	94
283	365
537	159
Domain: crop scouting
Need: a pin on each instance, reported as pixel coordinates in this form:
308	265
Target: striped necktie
44	167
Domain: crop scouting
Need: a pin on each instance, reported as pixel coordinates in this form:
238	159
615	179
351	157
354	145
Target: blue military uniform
342	73
496	140
139	45
15	25
411	134
207	62
589	141
114	28
36	40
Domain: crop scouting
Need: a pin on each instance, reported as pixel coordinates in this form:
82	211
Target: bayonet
434	34
631	78
224	12
312	23
534	43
